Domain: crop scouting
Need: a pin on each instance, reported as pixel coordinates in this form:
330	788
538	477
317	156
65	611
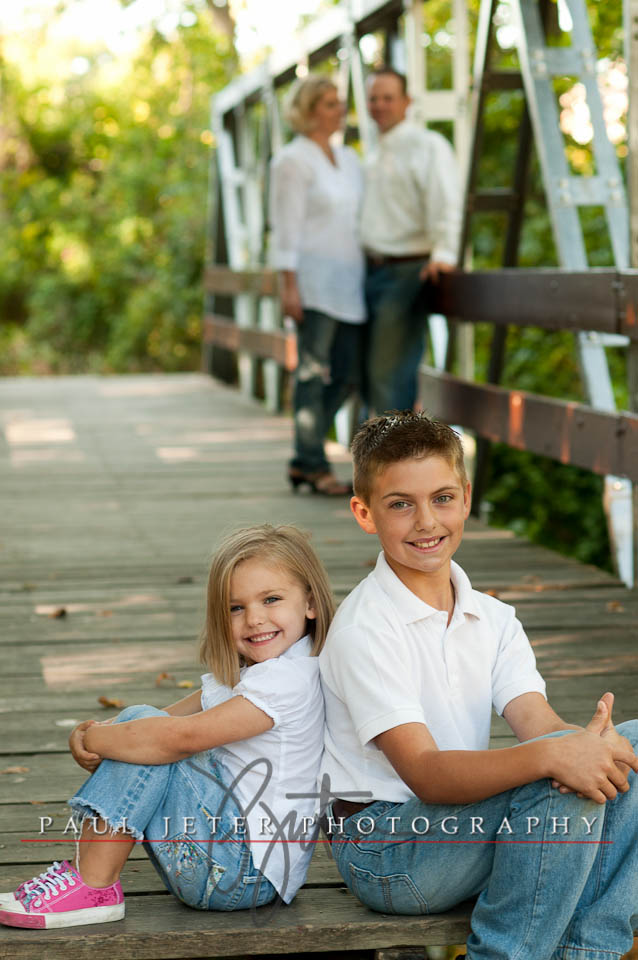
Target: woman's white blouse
282	761
314	215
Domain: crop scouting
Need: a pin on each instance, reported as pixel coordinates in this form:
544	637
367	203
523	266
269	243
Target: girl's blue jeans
208	866
549	883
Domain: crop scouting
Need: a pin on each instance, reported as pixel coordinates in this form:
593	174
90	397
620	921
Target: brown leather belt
342	808
381	259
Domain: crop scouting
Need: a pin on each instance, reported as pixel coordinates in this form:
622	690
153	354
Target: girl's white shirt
282	761
315	207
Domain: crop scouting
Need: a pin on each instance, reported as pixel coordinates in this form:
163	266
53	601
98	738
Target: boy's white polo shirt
390	659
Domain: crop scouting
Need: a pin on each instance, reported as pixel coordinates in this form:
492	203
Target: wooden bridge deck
112	493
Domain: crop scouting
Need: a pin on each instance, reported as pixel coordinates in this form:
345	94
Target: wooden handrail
278	345
605	301
605	443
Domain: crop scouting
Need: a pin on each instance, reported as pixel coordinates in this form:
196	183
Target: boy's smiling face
418	509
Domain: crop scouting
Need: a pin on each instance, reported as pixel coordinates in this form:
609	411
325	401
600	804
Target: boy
414	661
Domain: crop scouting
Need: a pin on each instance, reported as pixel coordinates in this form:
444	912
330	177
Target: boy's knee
629	729
137	711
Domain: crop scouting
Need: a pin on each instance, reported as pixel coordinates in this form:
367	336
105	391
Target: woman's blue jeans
206	865
327	373
556	876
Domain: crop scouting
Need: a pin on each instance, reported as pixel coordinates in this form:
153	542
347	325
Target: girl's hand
88	761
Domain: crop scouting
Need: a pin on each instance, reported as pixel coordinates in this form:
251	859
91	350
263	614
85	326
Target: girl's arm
155	740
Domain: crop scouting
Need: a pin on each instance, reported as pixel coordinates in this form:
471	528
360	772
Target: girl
204	783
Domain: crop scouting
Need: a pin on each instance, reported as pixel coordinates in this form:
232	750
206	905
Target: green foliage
558	506
103	199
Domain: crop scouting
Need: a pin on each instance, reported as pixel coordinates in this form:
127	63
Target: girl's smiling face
268	610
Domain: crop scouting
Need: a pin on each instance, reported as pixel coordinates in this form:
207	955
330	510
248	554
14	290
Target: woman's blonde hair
281	546
303	98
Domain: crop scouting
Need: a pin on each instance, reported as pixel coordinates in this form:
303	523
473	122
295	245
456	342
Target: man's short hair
402	435
382	71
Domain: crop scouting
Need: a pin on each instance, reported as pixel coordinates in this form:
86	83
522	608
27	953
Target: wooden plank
605	443
222	280
550	299
603	300
277	345
161	928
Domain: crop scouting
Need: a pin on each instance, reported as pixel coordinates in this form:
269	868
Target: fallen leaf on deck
493	593
185	684
111	702
105	613
58	613
185	580
615	606
15	770
164	679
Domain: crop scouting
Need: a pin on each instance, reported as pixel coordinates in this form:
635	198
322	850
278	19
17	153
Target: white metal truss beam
566	192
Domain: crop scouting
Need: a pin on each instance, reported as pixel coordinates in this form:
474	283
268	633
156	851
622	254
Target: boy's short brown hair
401	435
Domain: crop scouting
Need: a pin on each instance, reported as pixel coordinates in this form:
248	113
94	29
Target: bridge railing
600	301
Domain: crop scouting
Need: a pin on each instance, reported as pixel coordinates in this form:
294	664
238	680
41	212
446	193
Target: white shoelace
52	881
26	885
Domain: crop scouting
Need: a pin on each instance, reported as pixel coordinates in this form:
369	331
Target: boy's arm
530	715
155	740
584	761
187	706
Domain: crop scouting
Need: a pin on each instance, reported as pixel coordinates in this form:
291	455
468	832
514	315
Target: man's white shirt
412	198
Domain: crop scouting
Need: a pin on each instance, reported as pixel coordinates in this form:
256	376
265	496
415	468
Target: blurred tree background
104	160
103	179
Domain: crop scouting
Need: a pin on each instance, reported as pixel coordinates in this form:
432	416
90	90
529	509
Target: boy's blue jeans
206	870
537	899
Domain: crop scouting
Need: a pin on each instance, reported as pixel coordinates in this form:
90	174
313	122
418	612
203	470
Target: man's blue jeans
396	334
540	894
327	372
205	869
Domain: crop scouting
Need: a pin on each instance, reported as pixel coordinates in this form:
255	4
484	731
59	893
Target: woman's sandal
322	482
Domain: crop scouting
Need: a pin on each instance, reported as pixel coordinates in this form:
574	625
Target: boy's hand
594	763
88	761
603	708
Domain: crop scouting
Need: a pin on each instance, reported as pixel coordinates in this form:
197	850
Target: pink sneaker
60	898
12	896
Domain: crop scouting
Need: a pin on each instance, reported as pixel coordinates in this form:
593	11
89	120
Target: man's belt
381	259
342	808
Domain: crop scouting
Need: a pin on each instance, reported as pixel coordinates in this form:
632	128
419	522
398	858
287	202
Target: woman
315	198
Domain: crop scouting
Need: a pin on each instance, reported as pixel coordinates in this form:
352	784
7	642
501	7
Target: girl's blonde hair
282	546
304	96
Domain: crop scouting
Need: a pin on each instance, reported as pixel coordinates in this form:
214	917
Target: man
410	228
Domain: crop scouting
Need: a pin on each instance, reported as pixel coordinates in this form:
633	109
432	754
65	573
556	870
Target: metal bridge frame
247	126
